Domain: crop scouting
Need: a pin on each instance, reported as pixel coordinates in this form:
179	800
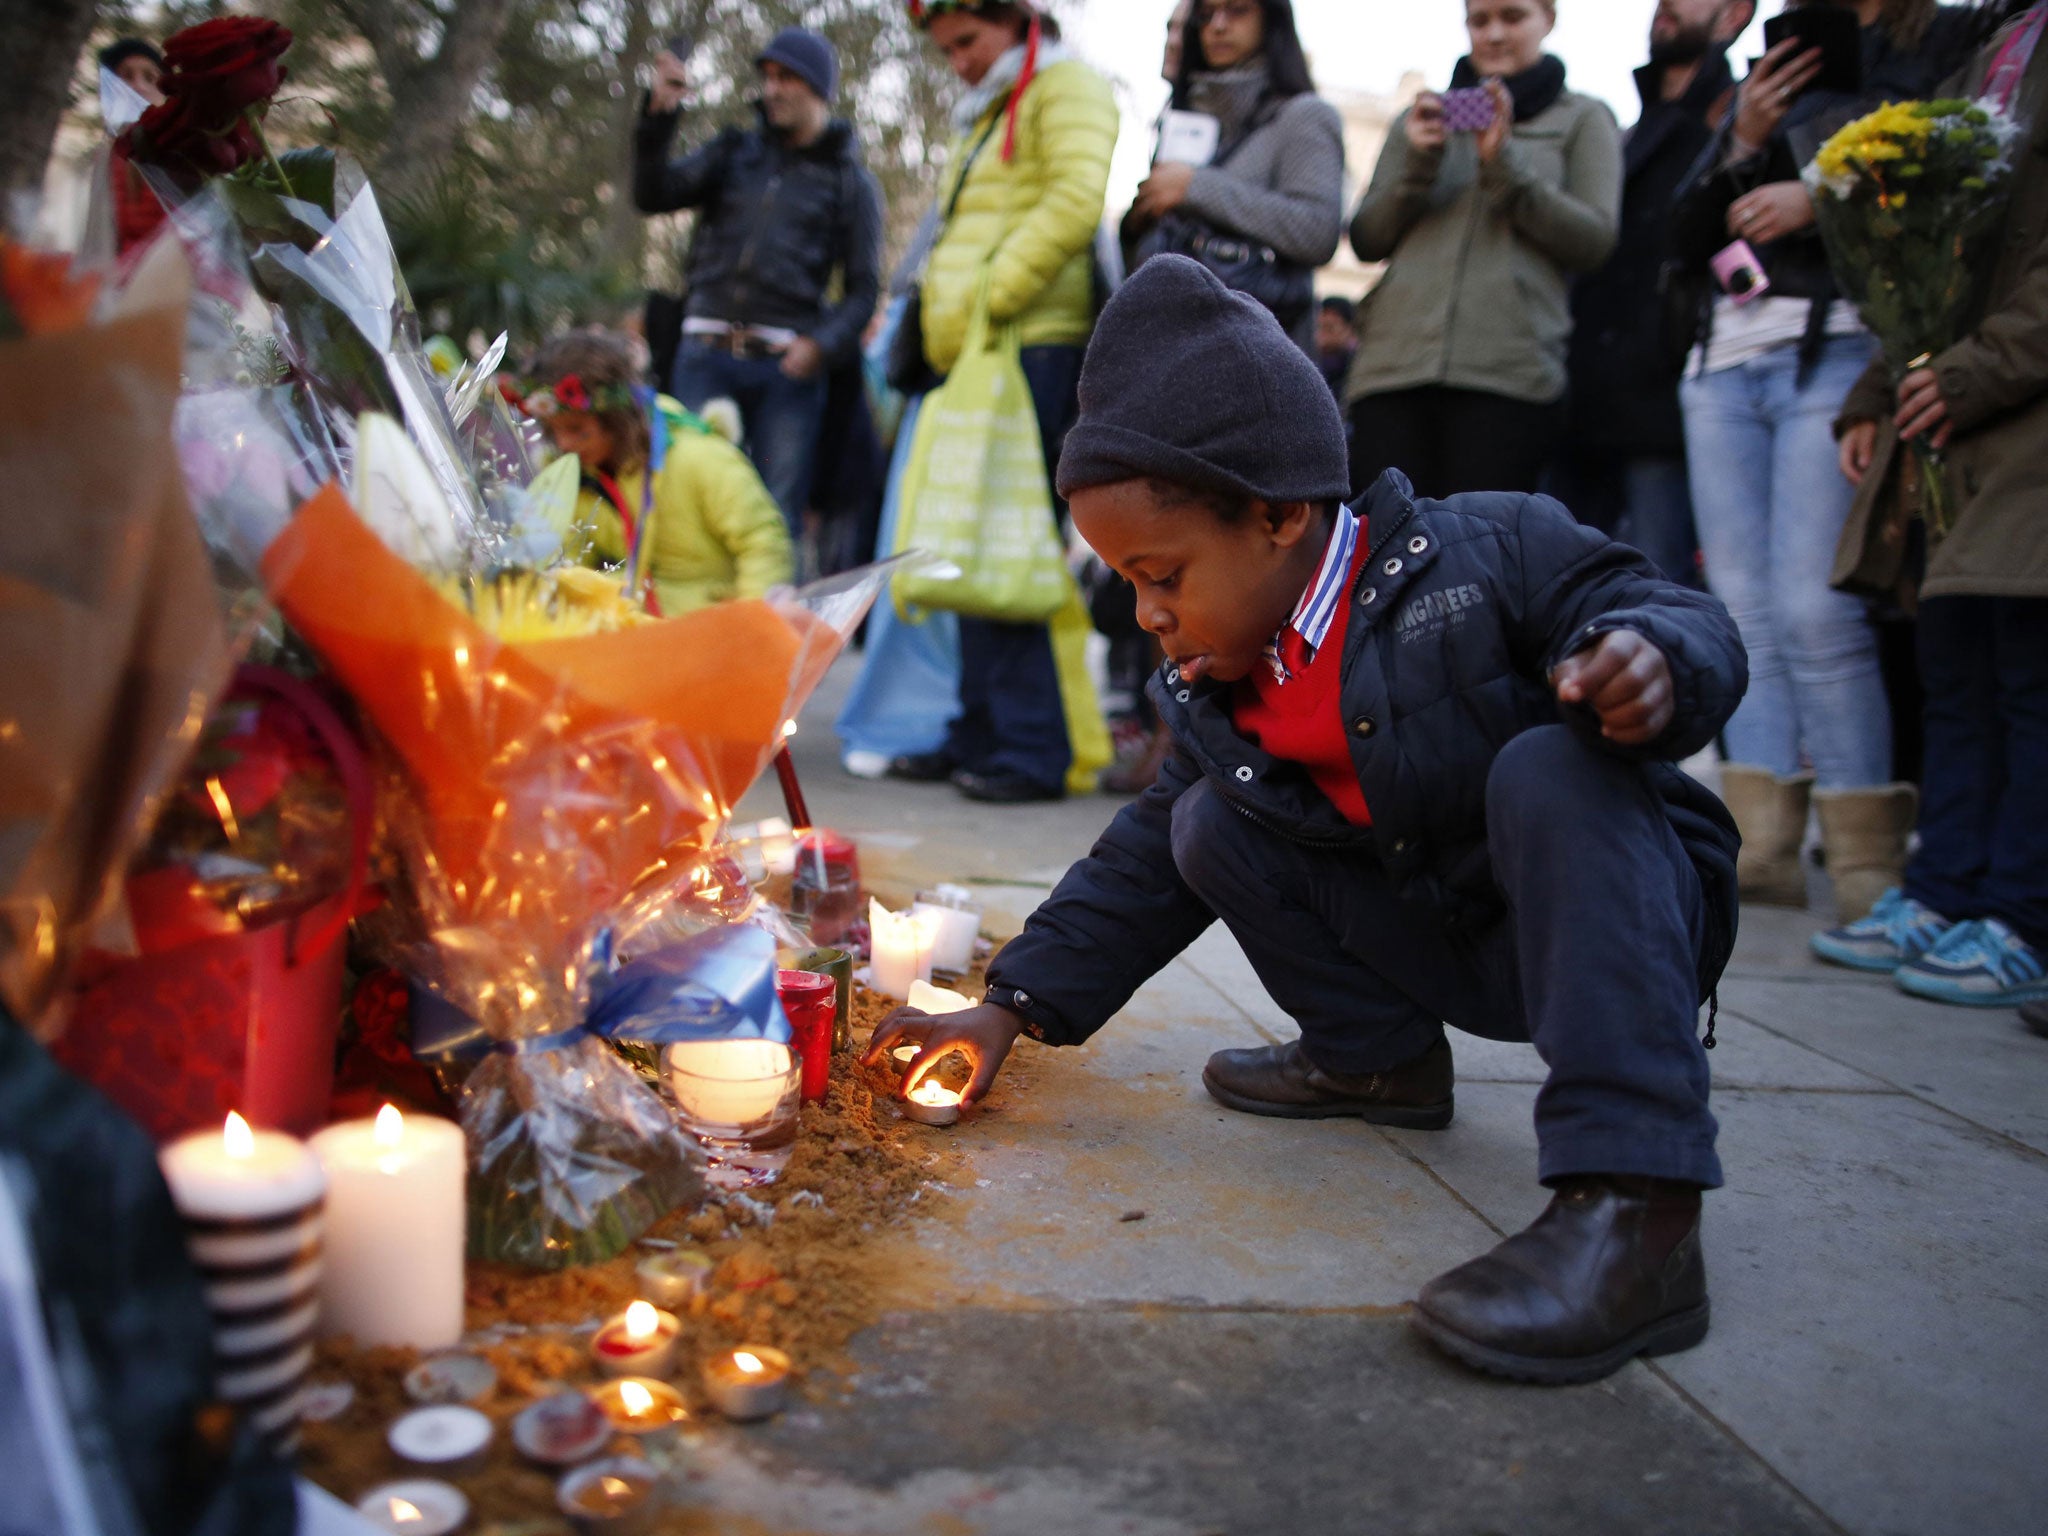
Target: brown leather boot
1280	1080
1610	1271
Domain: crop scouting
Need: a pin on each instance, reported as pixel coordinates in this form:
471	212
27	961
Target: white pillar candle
396	1229
728	1083
955	927
926	998
900	950
251	1204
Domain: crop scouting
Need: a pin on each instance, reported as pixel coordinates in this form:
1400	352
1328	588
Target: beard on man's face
1680	44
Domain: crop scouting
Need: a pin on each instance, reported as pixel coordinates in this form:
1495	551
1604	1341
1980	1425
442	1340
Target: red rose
221	68
173	136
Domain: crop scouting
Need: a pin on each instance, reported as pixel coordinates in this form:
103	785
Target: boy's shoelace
1988	945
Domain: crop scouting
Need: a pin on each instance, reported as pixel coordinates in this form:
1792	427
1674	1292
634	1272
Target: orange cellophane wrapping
554	775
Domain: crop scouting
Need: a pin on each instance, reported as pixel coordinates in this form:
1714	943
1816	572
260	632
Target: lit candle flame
935	1095
642	1322
390	1130
751	1364
635	1399
617	1487
237	1138
403	1513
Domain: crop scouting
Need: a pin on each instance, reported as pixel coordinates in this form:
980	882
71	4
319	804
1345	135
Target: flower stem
269	156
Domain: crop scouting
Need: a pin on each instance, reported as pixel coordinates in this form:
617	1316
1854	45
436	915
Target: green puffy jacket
1029	221
717	533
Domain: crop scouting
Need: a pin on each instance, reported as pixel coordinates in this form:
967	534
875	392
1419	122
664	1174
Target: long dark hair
1993	14
1286	65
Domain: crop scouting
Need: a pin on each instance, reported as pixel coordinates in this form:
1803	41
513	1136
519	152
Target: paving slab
1981	1064
1879	1297
1188	1423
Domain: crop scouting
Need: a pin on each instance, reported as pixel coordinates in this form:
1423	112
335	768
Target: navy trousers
1983	815
1011	718
782	416
1596	960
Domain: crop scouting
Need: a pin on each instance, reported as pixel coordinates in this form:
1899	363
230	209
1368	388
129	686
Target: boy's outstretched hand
983	1034
1624	680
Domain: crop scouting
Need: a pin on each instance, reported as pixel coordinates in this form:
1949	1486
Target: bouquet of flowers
1903	197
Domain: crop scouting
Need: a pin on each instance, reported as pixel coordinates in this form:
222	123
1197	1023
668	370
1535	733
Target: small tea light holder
638	1405
451	1379
641	1341
615	1497
562	1430
417	1507
748	1384
448	1439
672	1279
931	1102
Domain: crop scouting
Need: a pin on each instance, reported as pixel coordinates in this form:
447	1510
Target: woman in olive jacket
1460	375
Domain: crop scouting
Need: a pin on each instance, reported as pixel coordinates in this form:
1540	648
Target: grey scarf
1231	96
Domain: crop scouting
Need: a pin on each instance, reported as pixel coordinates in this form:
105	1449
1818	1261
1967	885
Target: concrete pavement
1235	1359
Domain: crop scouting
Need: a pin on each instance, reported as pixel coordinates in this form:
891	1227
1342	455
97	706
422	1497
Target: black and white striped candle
252	1203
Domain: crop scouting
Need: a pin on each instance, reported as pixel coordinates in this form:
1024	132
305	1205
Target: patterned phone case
1468	111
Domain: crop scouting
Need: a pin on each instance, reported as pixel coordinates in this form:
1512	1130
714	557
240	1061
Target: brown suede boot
1864	832
1770	812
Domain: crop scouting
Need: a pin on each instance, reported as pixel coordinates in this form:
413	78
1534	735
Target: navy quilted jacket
1461	609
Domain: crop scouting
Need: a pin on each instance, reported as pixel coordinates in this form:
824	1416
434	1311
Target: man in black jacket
1623	469
781	209
1423	770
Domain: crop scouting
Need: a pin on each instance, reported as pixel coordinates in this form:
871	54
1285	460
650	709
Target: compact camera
1740	274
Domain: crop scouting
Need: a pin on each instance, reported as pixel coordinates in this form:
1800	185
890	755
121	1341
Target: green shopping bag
975	495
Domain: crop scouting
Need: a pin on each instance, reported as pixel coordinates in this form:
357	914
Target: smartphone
1469	111
1740	274
1838	36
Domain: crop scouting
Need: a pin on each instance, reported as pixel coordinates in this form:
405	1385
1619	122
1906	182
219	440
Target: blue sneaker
1981	964
1898	929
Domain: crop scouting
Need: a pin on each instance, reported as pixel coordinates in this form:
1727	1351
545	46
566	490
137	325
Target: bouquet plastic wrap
549	791
1904	197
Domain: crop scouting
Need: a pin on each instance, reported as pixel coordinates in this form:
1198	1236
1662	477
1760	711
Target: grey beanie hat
1189	382
806	54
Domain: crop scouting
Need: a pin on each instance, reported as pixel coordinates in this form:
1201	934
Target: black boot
1280	1080
1610	1271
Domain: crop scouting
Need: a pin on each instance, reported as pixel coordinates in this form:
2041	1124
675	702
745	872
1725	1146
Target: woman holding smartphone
1776	353
1482	213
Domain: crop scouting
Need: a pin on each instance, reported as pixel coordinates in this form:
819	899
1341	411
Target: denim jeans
1599	960
1983	815
782	416
1770	500
1012	717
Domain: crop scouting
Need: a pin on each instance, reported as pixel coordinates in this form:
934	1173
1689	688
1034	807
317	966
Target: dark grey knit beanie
1189	382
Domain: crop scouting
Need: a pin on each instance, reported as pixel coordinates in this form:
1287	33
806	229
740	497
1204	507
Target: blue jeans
1983	817
782	416
1012	718
1770	501
1608	942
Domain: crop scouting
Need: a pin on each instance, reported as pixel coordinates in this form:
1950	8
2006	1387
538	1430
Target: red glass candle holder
811	1000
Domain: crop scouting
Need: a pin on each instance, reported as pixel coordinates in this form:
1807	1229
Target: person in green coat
703	524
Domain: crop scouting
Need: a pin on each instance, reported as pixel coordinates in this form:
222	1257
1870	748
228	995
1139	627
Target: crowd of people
1644	325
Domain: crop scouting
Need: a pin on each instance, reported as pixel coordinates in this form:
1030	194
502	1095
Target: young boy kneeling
1423	771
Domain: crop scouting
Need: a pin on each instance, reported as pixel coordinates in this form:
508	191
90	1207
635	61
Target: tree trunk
40	40
625	230
433	99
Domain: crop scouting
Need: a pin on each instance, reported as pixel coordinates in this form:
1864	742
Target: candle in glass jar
641	1341
901	950
749	1383
728	1082
395	1230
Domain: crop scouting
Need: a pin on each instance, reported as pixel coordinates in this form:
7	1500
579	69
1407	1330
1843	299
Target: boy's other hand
1624	680
983	1034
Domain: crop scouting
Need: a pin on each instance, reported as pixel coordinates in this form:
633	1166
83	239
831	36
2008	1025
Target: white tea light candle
637	1405
449	1439
641	1341
671	1279
614	1497
749	1383
395	1230
932	1103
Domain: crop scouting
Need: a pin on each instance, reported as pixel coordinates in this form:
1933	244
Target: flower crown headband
570	393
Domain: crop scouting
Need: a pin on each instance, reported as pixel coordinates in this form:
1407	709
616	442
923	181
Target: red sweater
1302	720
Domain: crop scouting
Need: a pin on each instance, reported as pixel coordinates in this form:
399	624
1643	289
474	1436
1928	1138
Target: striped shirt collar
1317	609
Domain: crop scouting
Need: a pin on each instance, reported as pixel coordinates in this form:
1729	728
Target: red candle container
825	892
811	1000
